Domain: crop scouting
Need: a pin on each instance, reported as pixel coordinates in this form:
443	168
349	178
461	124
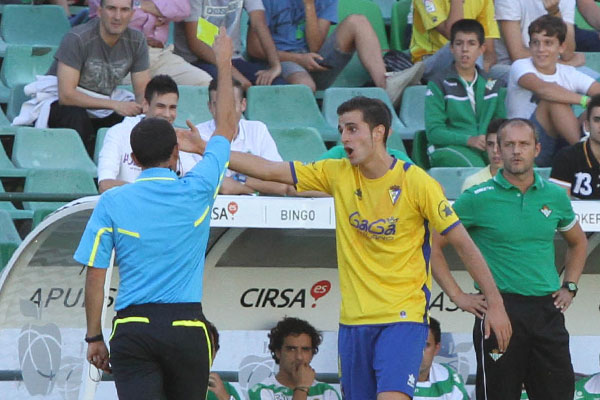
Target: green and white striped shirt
444	384
271	389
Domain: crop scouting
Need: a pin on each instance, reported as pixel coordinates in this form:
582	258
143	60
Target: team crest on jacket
546	211
489	85
394	192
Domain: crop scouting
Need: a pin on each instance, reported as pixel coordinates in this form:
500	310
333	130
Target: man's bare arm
258	24
548	90
97	353
511	34
574	264
106	184
456	13
590	11
68	95
316	28
226	121
496	318
139	80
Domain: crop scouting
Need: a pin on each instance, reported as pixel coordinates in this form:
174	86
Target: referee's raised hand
223	47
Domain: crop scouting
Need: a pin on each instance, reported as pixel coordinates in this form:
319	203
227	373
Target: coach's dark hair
152	141
213	85
516	122
467	26
375	112
213	333
159	85
434	325
292	326
552	26
594	102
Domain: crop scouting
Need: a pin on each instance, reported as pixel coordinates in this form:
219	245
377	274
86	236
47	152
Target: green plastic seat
592	60
13	211
333	97
16	99
452	179
51	148
9	238
22	63
544	172
398	25
39	25
419	150
7	168
385	6
298	144
412	110
100	135
287	106
192	105
55	181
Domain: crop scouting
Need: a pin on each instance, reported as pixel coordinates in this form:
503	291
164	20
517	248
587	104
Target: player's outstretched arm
244	163
473	303
496	318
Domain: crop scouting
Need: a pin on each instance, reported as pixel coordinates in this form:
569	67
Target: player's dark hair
214	84
159	85
467	26
434	326
375	112
213	333
494	125
152	141
513	122
594	102
550	26
292	326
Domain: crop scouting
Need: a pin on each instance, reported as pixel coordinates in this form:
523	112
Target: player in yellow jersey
385	211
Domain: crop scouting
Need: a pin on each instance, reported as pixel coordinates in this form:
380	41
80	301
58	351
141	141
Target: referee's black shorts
160	351
537	356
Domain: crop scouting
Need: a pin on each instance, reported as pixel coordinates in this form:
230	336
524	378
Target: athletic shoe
396	82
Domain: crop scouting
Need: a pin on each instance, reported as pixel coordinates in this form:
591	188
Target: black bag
397	61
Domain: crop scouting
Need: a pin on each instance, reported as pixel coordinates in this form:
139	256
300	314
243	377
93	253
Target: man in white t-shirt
115	164
542	90
251	137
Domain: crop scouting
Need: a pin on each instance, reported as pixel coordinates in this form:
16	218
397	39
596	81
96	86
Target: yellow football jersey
383	236
430	13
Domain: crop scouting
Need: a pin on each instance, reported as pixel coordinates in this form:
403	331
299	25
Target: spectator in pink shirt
152	17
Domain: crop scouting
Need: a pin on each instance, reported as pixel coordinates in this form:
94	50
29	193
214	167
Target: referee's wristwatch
571	287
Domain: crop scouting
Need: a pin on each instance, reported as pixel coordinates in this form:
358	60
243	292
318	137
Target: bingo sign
319	290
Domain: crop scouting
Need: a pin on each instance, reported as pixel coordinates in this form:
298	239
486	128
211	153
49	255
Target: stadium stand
452	178
50	148
419	150
13	211
40	25
99	142
288	106
7	168
16	98
22	63
400	10
385	6
55	181
412	110
298	144
9	238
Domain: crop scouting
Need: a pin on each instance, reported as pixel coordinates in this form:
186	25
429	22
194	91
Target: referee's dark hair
375	112
434	325
594	102
295	327
152	141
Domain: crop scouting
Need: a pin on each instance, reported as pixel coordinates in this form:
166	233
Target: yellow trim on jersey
125	321
199	220
128	233
101	231
158	178
221	180
198	324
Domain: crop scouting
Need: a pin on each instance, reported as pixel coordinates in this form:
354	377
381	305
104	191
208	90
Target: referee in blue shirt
159	228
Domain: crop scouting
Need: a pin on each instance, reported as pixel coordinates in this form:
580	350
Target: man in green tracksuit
461	102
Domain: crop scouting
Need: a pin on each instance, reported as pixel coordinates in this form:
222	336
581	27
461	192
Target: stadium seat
4	122
16	99
192	105
7	168
299	144
99	142
39	25
289	106
452	179
419	150
395	142
544	172
55	181
385	6
398	25
51	148
412	110
354	74
333	97
592	60
22	63
9	238
13	211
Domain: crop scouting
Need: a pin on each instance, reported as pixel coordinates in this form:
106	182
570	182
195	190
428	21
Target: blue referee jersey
159	227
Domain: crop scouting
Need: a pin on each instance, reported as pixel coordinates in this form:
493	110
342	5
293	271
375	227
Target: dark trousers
78	119
160	351
537	356
246	68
